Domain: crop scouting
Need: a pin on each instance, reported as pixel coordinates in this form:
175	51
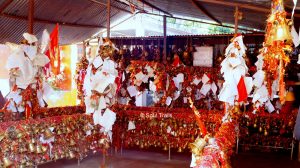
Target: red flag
176	61
242	91
53	52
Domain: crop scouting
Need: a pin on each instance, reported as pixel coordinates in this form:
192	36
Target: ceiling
80	19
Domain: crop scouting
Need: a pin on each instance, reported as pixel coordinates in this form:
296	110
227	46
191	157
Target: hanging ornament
277	43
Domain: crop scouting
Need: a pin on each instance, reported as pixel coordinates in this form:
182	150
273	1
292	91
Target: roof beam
198	21
243	5
50	21
155	7
4	5
113	6
205	12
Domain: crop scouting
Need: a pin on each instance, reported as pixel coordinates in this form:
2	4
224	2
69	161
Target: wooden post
30	16
165	39
236	19
108	19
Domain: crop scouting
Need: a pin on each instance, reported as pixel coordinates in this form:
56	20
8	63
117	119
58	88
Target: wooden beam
128	4
204	11
4	5
198	21
113	6
108	19
165	39
236	19
243	5
30	16
155	7
50	21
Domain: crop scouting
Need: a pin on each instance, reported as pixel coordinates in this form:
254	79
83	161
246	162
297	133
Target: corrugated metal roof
196	35
82	12
86	12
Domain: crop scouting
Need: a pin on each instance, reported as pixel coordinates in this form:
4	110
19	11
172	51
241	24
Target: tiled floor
142	159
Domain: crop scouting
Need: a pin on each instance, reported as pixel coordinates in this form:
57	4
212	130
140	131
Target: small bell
56	157
22	149
71	154
72	142
48	134
142	145
22	166
165	148
39	149
59	132
31	147
69	130
2	137
106	145
179	150
44	148
101	141
7	162
19	134
254	125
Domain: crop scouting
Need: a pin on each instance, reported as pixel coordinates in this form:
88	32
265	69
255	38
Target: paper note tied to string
131	125
205	89
205	79
168	101
132	90
196	80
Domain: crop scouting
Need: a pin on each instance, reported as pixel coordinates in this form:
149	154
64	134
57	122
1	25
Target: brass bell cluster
149	133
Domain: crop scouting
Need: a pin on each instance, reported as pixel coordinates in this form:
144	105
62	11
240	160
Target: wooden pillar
236	19
84	49
108	19
30	16
165	39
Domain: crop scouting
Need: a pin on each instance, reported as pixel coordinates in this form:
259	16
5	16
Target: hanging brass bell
22	149
179	150
101	141
141	145
19	134
56	157
71	154
165	148
254	125
48	134
7	162
68	130
197	146
22	165
44	148
31	147
72	142
2	136
59	132
39	149
106	145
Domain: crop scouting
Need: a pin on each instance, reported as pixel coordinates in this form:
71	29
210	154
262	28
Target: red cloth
118	81
53	53
242	91
176	61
